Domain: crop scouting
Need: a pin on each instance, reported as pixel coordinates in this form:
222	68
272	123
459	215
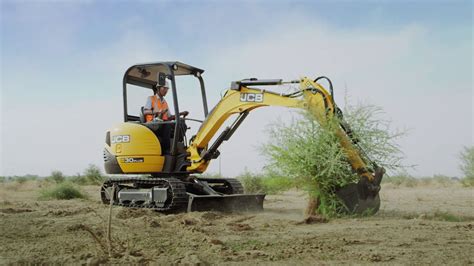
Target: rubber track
234	183
236	186
178	191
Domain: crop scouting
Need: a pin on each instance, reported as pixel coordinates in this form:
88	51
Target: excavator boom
241	99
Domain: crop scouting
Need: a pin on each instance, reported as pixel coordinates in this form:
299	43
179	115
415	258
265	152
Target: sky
62	64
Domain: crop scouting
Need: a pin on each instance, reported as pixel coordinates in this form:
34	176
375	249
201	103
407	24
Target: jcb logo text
251	97
120	138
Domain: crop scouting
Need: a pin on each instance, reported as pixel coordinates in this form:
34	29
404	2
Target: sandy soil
427	225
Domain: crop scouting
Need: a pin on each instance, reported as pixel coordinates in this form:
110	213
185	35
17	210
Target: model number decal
133	160
251	97
120	138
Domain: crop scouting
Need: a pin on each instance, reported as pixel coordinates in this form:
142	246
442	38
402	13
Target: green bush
400	180
275	183
20	179
62	191
3	179
310	152
93	175
31	177
57	176
467	166
442	179
265	183
252	183
78	179
212	175
468	181
467	161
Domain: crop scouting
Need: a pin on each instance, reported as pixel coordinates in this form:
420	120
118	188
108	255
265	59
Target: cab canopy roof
146	74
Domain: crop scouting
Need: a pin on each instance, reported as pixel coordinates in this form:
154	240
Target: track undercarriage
180	194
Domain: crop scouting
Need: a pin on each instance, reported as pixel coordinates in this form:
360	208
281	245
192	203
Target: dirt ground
421	225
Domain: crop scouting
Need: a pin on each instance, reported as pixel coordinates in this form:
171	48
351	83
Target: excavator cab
147	76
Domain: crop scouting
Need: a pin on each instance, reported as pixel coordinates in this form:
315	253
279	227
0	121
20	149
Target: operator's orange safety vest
158	106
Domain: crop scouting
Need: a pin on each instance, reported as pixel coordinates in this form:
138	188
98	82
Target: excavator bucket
363	197
356	202
226	203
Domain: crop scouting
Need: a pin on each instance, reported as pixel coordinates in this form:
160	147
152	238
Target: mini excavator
170	182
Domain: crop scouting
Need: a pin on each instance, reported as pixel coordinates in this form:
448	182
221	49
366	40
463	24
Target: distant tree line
92	175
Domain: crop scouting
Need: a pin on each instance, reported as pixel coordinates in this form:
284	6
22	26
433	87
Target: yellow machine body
135	148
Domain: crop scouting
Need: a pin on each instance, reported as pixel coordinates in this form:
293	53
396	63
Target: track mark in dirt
239	227
254	254
376	257
403	245
467	227
13	210
154	224
190	258
189	221
216	242
359	242
313	219
127	213
68	212
245	218
211	216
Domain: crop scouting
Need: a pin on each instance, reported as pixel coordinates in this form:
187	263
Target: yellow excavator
170	182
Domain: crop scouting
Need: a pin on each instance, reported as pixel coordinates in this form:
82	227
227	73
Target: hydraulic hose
330	87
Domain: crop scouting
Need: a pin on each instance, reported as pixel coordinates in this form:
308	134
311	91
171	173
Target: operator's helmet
155	89
167	85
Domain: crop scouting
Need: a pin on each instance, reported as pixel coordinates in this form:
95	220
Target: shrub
252	183
62	191
3	179
468	182
93	175
268	183
311	153
467	165
78	179
20	179
30	177
212	175
442	179
400	180
57	176
277	184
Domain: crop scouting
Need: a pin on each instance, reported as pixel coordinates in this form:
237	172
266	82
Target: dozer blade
226	203
356	202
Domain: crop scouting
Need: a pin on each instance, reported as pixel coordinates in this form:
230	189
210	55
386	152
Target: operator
156	108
